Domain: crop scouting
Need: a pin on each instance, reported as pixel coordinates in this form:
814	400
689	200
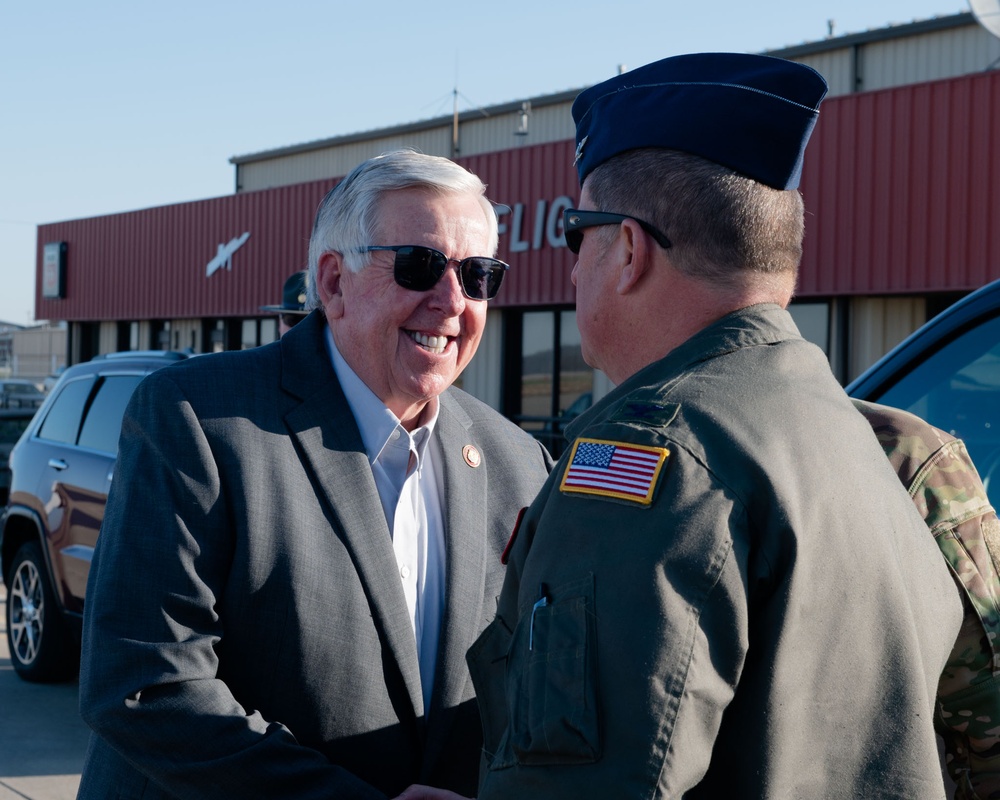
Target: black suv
61	470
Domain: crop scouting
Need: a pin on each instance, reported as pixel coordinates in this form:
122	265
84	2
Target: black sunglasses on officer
576	221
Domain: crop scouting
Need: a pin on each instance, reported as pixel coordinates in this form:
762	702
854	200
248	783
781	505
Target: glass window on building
249	338
268	330
555	382
537	367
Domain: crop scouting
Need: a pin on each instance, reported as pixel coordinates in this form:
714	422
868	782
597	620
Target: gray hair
347	217
723	227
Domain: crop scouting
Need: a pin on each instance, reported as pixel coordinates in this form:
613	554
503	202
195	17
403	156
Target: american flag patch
614	469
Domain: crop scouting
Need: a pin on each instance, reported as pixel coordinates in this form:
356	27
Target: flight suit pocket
552	679
487	660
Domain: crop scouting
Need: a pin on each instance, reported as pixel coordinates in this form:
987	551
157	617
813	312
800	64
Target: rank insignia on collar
614	469
579	150
647	412
643	410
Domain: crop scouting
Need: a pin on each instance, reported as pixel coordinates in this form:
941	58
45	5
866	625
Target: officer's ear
329	271
637	256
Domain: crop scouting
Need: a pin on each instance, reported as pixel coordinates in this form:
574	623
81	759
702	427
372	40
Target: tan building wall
877	325
894	56
868	62
36	352
503	127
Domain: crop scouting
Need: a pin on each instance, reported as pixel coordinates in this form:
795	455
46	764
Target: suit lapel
465	542
328	437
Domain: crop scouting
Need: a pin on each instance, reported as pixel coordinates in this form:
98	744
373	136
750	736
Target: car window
957	388
62	422
104	418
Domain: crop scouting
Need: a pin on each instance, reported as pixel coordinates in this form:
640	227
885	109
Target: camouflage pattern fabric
945	486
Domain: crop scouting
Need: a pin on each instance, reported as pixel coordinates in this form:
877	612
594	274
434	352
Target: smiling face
408	346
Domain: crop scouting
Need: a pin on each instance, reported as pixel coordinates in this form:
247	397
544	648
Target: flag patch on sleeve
614	469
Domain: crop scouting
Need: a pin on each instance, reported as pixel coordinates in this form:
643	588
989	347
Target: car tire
40	643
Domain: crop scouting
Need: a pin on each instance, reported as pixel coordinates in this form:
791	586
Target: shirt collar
375	422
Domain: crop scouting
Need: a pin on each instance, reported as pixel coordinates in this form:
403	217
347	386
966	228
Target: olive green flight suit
722	590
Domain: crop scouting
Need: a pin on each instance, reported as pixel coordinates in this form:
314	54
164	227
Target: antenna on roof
523	115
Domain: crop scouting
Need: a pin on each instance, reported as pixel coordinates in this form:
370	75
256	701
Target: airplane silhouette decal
224	255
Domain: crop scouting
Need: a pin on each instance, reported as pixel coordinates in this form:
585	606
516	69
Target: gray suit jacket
246	633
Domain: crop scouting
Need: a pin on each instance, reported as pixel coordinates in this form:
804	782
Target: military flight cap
293	296
750	113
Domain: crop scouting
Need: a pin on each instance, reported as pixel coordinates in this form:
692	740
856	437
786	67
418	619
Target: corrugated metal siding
902	189
151	264
837	66
551	123
534	178
875	60
107	337
336	162
877	324
916	59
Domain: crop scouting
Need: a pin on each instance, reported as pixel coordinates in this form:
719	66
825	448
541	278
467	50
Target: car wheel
40	646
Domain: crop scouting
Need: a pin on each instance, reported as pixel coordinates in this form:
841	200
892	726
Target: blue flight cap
750	113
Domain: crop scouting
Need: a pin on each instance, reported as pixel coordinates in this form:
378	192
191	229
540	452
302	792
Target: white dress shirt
409	482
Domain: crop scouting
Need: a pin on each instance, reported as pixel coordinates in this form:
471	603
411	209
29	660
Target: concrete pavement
42	738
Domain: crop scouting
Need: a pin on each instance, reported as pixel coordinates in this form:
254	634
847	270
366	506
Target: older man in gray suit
303	539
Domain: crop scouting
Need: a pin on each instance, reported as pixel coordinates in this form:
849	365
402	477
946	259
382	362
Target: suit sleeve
149	683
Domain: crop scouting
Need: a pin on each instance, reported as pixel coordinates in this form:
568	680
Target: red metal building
901	189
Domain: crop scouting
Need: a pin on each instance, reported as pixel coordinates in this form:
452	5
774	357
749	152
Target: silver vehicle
20	393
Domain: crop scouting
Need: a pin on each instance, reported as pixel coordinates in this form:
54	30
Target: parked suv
20	393
61	470
13	422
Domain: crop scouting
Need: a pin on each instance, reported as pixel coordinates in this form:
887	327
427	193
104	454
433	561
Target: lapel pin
471	456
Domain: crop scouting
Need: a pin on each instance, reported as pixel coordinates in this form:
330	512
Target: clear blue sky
116	105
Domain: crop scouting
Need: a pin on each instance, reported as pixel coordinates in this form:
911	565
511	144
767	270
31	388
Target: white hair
348	215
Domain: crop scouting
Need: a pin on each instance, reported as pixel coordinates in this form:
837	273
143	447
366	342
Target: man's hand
417	792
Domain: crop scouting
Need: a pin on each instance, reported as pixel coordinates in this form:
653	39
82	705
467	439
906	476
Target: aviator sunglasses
575	221
420	268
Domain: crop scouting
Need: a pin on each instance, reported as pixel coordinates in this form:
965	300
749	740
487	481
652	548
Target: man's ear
329	270
637	255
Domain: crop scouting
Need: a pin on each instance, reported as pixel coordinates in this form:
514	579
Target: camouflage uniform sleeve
952	499
947	491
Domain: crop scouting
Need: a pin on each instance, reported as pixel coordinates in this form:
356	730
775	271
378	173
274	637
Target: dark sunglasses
575	221
420	268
